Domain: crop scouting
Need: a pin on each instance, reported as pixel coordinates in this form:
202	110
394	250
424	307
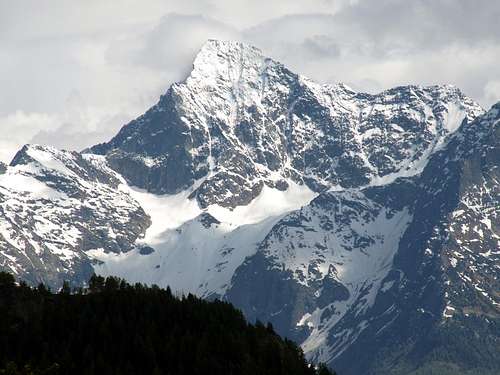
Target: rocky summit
366	227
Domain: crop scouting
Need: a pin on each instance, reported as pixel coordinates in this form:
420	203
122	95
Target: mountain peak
225	60
242	120
215	48
227	46
39	153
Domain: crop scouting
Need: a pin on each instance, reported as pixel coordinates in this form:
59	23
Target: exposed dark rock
146	250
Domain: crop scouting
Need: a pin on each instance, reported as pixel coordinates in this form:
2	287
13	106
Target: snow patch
190	256
454	117
270	203
19	183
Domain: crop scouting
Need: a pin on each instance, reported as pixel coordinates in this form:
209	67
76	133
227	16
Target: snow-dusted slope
343	238
55	205
469	233
344	218
363	277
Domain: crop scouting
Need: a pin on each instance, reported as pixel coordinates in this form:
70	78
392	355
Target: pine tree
7	280
66	289
96	284
323	370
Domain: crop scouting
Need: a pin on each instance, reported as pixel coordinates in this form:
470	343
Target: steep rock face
472	247
241	120
433	303
54	206
334	259
331	255
447	303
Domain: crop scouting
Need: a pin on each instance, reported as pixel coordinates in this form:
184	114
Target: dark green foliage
12	369
116	328
6	280
323	370
66	289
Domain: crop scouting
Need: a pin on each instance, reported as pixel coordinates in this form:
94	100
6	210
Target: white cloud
492	91
19	126
170	46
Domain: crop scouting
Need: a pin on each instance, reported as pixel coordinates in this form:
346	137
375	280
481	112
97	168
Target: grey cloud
171	45
321	46
79	127
68	138
425	23
392	42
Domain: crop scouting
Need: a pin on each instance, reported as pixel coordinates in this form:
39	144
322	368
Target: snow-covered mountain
360	225
57	205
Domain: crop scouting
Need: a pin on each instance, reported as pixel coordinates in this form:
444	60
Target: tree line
113	327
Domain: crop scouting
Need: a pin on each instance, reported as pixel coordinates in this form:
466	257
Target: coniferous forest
113	327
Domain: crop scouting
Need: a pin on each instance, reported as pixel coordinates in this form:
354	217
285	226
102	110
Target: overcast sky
73	72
